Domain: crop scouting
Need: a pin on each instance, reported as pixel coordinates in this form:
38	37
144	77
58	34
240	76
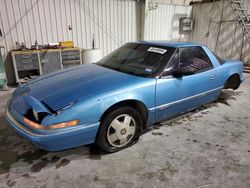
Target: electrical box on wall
185	25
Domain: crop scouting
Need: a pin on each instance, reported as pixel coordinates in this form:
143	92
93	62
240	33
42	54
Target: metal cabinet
26	65
29	64
71	57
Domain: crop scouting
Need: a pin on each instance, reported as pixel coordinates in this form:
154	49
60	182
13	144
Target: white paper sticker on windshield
148	70
157	50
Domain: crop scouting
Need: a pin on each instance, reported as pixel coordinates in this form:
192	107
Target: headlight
54	126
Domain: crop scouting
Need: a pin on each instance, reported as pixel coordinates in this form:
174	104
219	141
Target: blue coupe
110	102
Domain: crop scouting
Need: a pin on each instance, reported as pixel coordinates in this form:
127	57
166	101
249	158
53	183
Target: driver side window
172	64
194	59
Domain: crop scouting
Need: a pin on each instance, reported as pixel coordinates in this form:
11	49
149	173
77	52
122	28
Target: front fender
90	110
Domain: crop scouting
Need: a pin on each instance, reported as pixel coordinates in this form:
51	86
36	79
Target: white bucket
91	55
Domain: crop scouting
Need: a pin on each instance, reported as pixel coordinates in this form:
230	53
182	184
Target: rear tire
119	129
233	82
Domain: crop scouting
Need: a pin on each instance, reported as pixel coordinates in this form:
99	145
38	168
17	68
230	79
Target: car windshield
138	59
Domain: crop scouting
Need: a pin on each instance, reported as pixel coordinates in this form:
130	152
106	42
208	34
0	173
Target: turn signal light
55	126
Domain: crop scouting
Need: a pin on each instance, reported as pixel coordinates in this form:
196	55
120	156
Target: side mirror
182	72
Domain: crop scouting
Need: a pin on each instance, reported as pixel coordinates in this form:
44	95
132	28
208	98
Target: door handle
212	77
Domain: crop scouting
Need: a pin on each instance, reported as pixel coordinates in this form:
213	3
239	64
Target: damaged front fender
36	105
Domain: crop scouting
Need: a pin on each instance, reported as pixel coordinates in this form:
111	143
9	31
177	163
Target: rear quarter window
220	60
195	59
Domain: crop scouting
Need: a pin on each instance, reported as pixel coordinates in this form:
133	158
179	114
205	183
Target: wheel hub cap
121	130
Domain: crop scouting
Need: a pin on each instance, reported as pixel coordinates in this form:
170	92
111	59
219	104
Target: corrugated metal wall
162	23
110	22
217	27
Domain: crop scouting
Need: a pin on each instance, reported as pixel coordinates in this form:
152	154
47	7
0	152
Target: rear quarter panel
224	71
229	68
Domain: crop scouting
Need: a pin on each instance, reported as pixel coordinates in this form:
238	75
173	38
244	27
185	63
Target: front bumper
56	140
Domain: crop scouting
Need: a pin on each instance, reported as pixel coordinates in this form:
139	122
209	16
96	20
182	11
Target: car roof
168	43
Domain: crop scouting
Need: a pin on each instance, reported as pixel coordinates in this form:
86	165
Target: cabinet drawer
70	52
26	61
28	66
68	64
69	55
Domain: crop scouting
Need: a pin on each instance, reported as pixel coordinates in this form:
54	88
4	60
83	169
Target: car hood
59	89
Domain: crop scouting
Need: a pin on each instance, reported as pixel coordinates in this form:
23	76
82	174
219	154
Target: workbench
32	63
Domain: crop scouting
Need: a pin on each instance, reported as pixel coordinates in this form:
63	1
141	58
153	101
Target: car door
169	90
202	86
175	95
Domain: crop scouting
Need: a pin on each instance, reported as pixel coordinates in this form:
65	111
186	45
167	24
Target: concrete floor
208	147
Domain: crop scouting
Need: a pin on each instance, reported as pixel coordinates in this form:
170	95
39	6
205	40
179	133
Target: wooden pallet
246	69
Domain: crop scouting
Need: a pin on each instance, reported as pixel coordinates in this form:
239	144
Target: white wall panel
162	23
110	22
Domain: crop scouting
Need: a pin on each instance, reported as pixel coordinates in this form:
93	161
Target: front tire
119	129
